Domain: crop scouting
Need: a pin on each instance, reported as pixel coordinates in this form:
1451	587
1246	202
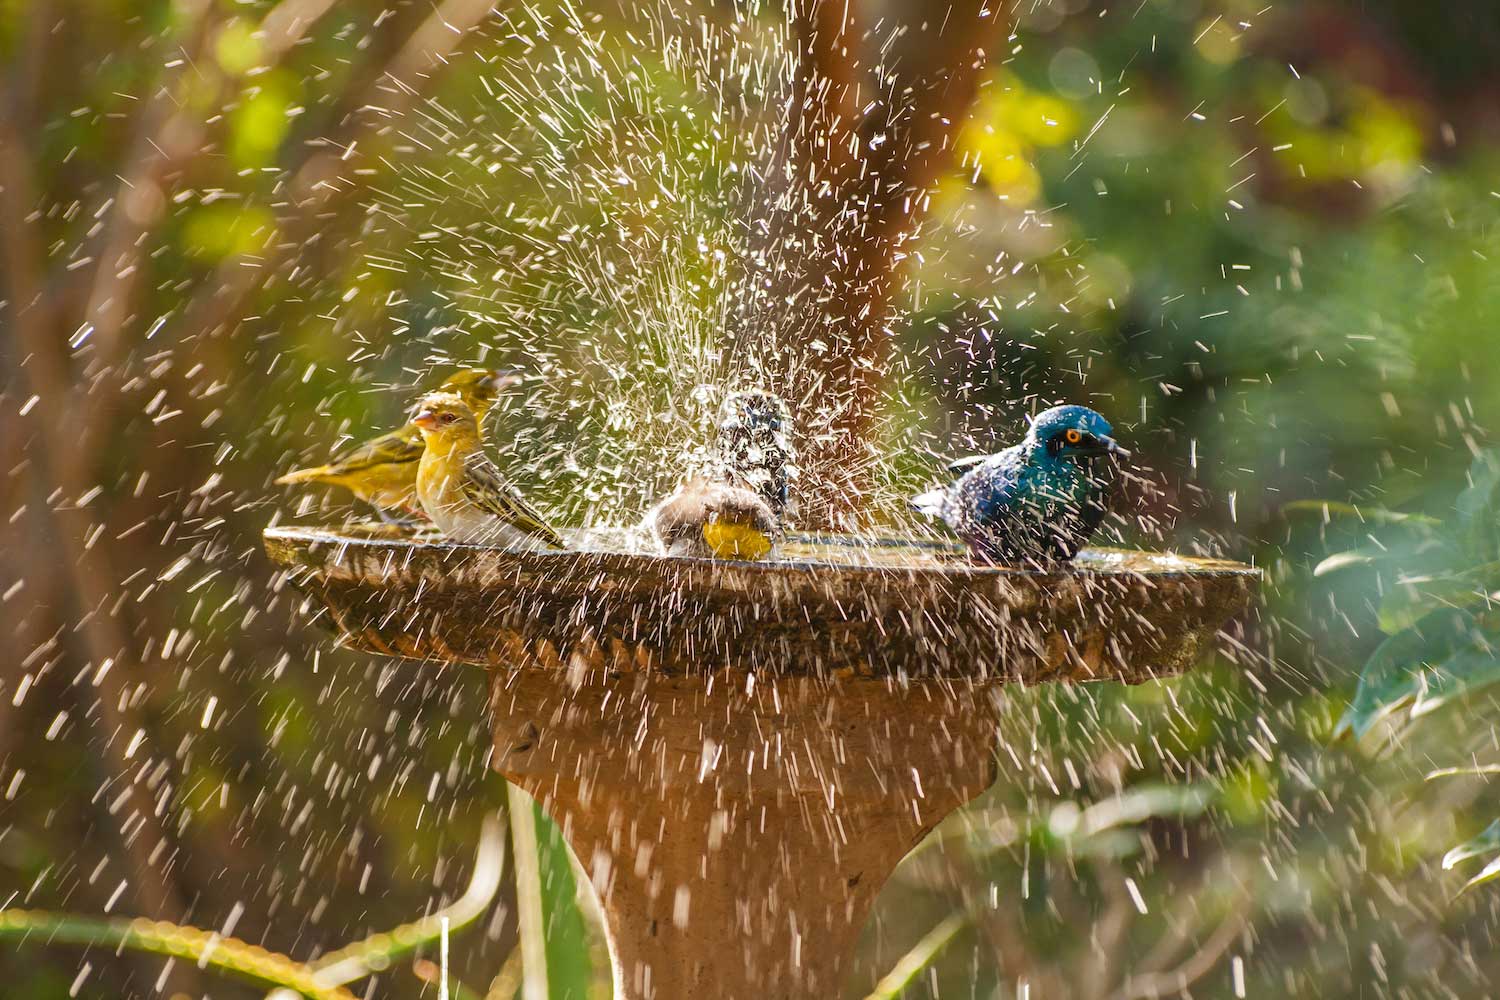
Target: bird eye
1074	435
448	418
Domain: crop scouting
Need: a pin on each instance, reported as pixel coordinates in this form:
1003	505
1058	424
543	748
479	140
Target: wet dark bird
1037	502
737	509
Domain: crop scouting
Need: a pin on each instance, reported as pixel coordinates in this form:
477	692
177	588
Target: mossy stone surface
834	606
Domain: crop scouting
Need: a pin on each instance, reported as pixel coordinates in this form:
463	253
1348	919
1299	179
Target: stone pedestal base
737	829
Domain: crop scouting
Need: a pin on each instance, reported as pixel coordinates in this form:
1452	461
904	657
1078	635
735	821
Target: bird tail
312	475
929	503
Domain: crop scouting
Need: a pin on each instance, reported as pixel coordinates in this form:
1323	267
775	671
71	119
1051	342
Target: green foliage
1406	664
1443	627
570	974
1443	579
1442	640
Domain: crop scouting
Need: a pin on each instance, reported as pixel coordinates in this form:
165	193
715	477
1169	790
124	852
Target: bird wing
933	503
489	490
399	447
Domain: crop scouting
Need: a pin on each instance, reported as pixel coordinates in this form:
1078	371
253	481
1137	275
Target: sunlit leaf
1468	772
1330	510
1464	672
1486	842
911	965
1352	557
1489	874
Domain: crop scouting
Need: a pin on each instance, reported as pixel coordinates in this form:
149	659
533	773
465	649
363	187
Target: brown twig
1195	967
1109	934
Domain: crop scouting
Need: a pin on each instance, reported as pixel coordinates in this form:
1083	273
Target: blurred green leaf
1370	515
1412	598
1479	508
1486	842
227	230
554	943
921	955
1464	672
261	122
1103	829
569	964
1393	674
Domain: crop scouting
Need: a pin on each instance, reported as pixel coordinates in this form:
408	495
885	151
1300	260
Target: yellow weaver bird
735	511
383	471
464	492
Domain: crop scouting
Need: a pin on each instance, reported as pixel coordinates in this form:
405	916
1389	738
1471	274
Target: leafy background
1261	237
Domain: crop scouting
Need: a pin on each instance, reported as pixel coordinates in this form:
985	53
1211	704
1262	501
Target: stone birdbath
740	753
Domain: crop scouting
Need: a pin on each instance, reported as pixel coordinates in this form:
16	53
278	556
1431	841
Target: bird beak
425	419
1113	447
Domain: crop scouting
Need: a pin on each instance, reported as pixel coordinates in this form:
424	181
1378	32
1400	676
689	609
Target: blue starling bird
1036	502
736	510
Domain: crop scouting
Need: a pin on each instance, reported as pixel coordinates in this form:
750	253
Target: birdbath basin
740	753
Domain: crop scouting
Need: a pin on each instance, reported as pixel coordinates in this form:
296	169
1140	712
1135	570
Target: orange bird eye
1074	435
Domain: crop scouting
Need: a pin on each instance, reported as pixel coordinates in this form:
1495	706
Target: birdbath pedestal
740	753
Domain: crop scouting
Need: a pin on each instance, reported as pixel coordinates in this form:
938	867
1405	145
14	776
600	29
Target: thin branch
922	954
1109	934
1195	967
207	948
358	960
1181	922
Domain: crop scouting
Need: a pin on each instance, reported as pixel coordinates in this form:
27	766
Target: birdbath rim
802	551
833	605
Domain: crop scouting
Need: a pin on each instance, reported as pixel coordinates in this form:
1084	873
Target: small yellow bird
464	492
734	511
383	471
708	519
